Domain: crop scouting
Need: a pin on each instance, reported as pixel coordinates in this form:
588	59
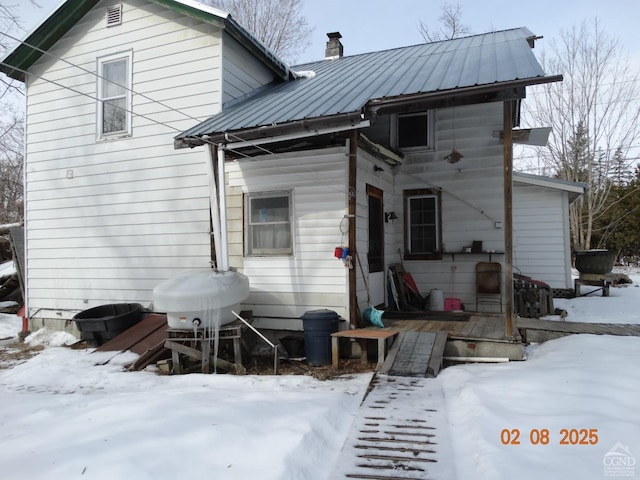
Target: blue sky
369	25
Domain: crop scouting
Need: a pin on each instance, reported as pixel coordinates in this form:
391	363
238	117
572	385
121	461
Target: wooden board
437	354
144	335
414	354
579	327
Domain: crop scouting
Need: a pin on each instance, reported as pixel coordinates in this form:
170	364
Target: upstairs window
413	131
423	224
268	229
114	95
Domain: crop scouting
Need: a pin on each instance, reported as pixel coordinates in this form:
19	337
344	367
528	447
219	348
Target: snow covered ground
571	411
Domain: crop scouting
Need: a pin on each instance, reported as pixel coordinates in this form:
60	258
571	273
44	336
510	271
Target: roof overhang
56	25
574	189
276	132
509	90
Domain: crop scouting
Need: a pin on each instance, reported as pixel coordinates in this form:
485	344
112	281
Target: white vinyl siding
108	221
471	195
541	234
283	288
241	72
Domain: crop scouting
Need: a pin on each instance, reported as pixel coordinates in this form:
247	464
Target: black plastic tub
99	324
595	262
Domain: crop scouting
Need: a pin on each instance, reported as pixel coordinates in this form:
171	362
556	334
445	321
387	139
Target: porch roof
346	90
574	189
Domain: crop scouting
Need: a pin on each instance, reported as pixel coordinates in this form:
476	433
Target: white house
358	152
111	208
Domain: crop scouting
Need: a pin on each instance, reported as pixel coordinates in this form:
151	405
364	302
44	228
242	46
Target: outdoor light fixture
390	216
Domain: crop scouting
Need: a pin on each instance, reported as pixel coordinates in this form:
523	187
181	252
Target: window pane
269	227
114	115
115	79
412	131
423	224
271	209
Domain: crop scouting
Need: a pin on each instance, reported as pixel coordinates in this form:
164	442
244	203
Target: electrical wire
95	74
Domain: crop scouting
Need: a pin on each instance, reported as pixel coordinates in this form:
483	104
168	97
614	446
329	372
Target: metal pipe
275	348
215	210
222	196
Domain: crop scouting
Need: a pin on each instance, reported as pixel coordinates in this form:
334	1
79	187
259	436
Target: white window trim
289	252
128	55
437	226
393	135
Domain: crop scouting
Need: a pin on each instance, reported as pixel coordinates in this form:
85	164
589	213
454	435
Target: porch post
351	210
508	217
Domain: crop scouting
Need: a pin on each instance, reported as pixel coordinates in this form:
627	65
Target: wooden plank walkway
400	433
416	354
478	327
526	325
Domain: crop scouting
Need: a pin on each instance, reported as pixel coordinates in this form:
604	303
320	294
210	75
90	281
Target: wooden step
416	354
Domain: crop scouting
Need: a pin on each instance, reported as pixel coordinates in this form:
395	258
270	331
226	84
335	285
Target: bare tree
451	25
594	117
278	24
11	125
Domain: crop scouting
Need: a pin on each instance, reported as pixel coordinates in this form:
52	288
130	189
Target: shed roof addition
360	84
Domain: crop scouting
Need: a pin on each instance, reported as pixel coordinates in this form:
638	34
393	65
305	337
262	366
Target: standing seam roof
345	85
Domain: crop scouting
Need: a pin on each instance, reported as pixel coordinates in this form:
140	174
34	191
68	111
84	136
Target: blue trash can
318	327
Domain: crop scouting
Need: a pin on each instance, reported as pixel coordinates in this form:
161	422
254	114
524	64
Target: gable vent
114	15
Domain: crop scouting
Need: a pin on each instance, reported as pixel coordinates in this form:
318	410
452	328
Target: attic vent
114	15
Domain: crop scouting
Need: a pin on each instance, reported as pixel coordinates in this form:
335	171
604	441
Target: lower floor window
268	224
423	227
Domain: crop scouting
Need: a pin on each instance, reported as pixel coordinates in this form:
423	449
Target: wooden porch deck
479	326
470	335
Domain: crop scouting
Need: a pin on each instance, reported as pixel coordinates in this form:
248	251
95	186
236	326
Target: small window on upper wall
414	131
114	95
268	229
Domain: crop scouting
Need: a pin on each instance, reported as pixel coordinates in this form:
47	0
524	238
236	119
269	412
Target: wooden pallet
416	354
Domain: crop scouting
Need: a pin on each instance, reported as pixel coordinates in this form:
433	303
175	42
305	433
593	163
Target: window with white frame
114	95
413	131
423	224
268	229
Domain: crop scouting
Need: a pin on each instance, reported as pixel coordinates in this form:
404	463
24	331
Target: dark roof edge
345	121
56	25
373	106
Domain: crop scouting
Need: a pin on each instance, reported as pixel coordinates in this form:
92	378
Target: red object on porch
25	320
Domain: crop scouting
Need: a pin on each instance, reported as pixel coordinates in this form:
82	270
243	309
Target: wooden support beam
351	210
509	326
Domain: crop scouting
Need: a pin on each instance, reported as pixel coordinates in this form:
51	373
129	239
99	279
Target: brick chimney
334	46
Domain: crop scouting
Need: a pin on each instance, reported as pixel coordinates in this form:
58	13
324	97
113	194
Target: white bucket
436	300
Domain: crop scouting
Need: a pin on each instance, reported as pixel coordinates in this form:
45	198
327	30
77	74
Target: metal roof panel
345	85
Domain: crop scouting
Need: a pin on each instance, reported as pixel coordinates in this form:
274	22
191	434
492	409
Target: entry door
375	253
